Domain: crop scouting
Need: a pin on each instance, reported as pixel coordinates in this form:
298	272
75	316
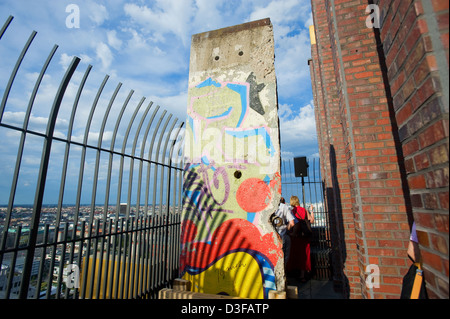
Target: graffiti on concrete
229	181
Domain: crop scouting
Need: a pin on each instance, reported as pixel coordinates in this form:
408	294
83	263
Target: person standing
413	284
287	218
301	247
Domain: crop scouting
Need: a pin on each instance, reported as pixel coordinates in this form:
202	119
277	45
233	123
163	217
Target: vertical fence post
34	225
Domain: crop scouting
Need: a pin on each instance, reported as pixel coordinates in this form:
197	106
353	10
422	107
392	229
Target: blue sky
145	45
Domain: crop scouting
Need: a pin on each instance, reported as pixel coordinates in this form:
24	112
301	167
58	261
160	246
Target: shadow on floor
315	289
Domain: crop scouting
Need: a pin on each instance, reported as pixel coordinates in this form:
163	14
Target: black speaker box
300	166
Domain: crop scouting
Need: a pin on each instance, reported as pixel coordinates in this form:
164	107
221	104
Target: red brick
439	243
410	147
439	5
428	65
374	145
430	201
432	134
352	57
443	201
426	90
416	182
441	222
424	219
439	155
437	178
432	260
421	161
403	114
363	75
418	8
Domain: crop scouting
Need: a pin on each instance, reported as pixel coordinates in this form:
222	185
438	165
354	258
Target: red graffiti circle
253	195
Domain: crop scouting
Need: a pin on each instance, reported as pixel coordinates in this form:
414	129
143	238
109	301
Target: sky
146	46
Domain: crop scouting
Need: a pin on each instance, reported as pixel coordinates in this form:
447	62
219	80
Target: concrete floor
315	289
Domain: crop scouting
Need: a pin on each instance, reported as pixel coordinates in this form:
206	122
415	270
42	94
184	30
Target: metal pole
303	191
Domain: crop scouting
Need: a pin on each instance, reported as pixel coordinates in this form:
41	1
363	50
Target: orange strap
417	282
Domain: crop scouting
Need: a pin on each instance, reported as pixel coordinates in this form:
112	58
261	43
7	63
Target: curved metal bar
156	155
83	151
168	217
34	225
66	152
153	277
124	144
94	190
5	26
100	141
163	154
63	179
158	215
99	144
80	183
65	163
130	179
130	124
105	117
113	142
14	73
141	157
179	174
144	141
119	119
20	151
174	142
147	183
170	165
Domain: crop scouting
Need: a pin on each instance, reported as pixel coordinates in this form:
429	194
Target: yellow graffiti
237	274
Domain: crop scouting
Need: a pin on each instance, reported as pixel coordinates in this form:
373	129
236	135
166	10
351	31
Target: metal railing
111	248
309	190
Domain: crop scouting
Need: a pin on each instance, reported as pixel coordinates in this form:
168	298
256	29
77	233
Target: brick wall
332	152
414	35
382	124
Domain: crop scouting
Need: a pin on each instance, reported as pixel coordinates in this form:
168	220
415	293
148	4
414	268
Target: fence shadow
339	252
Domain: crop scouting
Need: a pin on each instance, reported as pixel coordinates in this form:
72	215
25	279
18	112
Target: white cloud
17	118
105	55
85	58
113	41
137	40
165	16
297	127
290	19
279	11
291	64
97	13
65	60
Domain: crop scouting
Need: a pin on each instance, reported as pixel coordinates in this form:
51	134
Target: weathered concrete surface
232	180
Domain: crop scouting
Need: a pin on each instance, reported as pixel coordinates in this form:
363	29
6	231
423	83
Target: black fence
113	231
309	190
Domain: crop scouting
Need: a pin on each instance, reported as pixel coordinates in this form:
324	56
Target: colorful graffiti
230	183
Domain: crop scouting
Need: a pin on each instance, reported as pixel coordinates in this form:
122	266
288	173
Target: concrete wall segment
232	164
